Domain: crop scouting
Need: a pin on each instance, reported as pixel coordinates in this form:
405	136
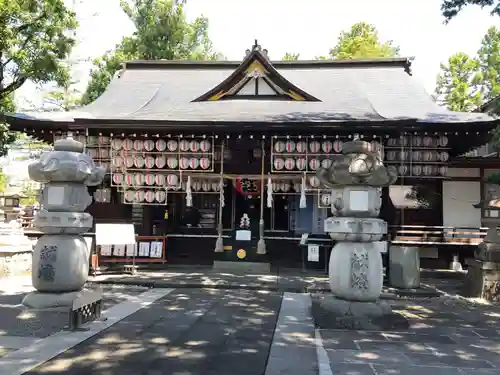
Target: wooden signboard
146	249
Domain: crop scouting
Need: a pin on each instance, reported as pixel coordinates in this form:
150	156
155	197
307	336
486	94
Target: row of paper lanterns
314	147
426	170
429	156
150	162
418	141
161	145
160	180
300	164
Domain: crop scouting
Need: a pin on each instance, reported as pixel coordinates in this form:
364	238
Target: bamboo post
261	245
219	244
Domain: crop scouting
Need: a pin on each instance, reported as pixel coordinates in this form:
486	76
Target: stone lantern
355	268
61	256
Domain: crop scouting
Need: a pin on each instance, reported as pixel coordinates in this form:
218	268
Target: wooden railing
433	235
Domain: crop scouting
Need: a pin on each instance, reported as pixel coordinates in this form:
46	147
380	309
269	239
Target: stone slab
16	342
331	312
293	349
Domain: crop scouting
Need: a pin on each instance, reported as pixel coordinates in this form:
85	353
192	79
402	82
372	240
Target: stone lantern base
334	313
39	300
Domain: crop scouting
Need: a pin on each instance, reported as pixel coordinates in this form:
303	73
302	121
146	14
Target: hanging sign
248	187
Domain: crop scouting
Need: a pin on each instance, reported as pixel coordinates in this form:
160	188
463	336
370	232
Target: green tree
290	56
34	40
458	85
362	41
451	8
162	33
489	63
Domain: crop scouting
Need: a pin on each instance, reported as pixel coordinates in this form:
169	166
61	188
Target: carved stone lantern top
358	165
66	163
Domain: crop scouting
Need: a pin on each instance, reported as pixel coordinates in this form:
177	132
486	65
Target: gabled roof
319	93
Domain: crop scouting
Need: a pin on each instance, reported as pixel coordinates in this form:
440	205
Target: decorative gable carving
256	78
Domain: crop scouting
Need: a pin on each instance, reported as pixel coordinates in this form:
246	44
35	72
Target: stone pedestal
355	268
404	267
482	280
39	300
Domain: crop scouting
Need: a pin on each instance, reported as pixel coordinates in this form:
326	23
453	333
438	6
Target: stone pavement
289	280
20	327
197	331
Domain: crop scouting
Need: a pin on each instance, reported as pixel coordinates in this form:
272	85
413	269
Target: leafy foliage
34	40
162	33
290	56
451	8
362	41
458	84
489	63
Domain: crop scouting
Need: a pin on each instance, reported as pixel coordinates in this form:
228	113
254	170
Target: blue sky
307	27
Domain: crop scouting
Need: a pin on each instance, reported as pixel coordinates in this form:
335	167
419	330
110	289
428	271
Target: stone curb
392	293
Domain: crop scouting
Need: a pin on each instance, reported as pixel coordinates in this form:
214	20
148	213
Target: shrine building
201	149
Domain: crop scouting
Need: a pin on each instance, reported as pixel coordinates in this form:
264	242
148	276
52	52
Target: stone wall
15	264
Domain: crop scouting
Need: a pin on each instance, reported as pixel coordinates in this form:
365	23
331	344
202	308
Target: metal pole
219	243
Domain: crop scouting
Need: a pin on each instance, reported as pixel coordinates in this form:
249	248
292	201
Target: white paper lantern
138	145
337	145
301	147
314	164
326	163
139	161
149	196
284	187
301	164
160	196
161	145
443	171
290	146
205	185
428	170
149	145
279	147
417	170
117	161
297	186
118	178
279	163
129	195
160	161
159	179
129	161
205	163
149	179
314	181
327	146
128	144
172	162
128	179
184	146
149	162
194	163
194	146
444	156
184	163
276	187
196	185
116	144
427	141
290	164
314	147
205	146
140	195
172	180
215	186
172	145
103	153
139	179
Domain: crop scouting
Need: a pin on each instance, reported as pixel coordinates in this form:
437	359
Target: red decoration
248	187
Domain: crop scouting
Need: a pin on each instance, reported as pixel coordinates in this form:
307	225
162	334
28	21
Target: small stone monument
355	268
61	256
483	272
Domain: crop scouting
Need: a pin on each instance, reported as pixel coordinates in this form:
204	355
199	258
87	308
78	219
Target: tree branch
12	87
